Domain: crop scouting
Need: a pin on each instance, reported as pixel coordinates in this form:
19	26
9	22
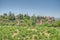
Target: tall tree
33	19
20	16
11	16
5	14
27	16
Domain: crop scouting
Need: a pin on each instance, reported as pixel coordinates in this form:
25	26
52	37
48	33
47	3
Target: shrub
56	24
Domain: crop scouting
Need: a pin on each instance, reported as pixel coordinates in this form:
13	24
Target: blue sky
37	7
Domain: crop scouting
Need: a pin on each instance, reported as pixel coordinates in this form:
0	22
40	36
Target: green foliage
23	19
11	16
27	28
5	14
56	24
33	23
47	24
29	33
26	16
20	16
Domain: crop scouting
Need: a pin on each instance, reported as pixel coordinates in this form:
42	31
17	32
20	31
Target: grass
29	33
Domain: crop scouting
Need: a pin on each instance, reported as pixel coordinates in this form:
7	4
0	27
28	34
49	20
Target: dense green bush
29	33
47	24
56	24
